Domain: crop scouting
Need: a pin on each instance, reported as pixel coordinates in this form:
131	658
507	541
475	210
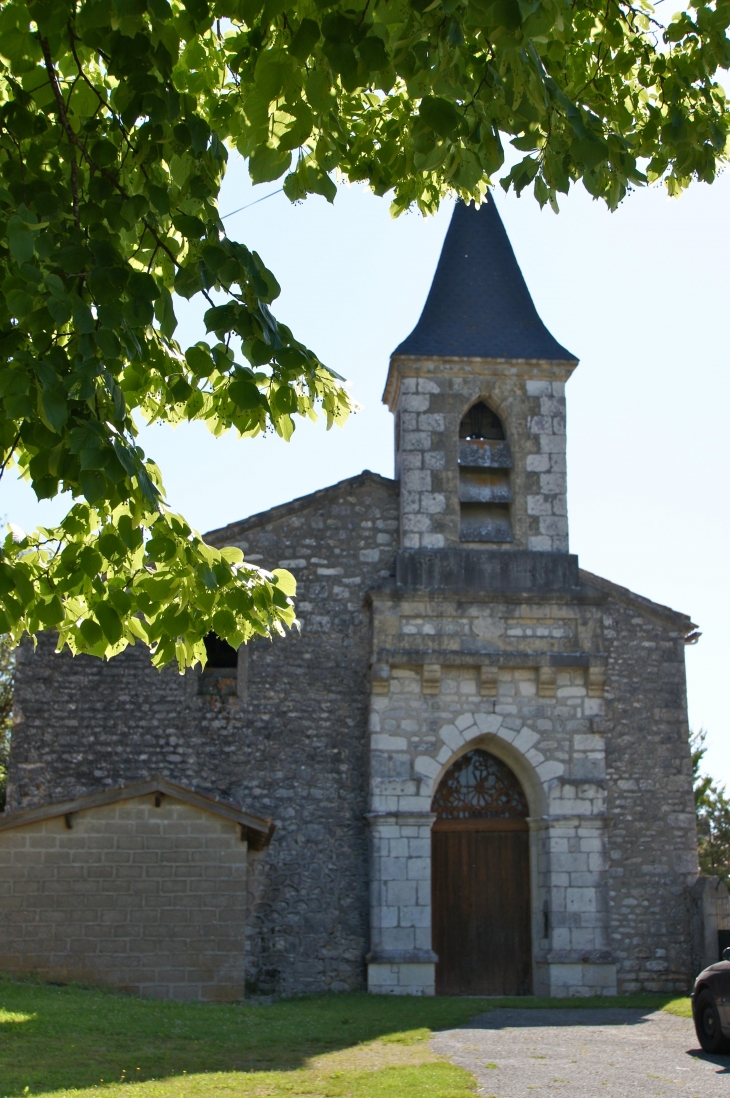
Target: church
469	772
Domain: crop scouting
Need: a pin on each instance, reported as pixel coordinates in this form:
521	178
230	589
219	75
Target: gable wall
293	748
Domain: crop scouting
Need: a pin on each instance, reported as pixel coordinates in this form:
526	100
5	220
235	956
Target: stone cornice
418	366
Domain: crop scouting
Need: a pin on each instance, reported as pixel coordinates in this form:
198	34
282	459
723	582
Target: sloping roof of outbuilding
479	305
256	829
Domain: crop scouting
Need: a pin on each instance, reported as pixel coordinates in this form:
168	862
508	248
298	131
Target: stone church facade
474	754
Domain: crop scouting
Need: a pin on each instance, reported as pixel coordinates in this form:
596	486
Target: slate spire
479	304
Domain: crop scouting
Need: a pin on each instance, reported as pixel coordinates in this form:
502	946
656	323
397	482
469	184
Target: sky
640	296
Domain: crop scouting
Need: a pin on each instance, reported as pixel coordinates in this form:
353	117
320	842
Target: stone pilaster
400	961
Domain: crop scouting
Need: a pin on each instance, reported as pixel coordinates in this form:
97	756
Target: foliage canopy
116	121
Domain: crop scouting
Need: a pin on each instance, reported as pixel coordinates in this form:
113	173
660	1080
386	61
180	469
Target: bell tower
478	392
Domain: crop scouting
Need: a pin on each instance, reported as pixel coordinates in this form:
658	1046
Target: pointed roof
479	305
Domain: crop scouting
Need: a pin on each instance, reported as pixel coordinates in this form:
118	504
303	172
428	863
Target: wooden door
480	875
481	910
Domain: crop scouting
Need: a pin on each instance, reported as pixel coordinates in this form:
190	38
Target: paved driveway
612	1053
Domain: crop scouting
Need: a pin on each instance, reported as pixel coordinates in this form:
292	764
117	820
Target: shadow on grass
57	1038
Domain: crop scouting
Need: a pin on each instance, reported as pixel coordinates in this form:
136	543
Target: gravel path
612	1053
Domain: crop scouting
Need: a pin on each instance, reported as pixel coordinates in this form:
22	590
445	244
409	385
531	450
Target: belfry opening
485	492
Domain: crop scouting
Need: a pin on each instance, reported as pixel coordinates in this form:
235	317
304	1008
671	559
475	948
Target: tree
116	117
713	816
7	672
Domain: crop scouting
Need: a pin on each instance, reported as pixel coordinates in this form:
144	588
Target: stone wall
149	899
293	748
430	399
576	683
652	837
582	693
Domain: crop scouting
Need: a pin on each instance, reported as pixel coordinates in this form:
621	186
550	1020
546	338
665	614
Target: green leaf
82	318
589	151
224	623
93	485
160	549
199	359
51	613
372	52
305	39
440	115
89	561
109	621
19	303
20	240
199	132
91	632
285	581
267	164
59	310
55	406
245	395
188	281
165	313
191	227
104	153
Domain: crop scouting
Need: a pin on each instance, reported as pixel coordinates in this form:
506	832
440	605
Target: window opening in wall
222	670
219	652
485	492
481	422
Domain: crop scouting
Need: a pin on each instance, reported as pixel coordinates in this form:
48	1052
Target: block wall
150	900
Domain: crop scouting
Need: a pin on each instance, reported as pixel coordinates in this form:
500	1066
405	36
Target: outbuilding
141	886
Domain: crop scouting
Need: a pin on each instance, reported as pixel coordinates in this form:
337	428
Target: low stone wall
146	898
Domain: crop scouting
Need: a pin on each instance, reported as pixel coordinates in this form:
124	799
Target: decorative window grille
479	786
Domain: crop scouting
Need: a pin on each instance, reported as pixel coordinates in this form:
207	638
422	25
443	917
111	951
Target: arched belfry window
485	492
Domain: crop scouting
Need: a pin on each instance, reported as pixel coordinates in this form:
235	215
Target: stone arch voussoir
519	749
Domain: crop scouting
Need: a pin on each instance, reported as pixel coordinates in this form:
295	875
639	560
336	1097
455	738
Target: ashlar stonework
441	614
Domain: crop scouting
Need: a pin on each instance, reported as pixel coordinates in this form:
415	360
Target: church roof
479	305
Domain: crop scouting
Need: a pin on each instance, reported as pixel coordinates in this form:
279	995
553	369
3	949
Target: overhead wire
254	203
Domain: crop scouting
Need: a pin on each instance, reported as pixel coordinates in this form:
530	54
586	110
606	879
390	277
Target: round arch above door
481	880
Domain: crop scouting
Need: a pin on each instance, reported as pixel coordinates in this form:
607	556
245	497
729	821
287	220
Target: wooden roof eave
257	830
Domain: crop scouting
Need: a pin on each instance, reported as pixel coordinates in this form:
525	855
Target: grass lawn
73	1041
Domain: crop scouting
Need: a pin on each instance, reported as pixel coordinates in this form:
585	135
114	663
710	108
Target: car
711	1005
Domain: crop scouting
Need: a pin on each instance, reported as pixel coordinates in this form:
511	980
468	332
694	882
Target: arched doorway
481	880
